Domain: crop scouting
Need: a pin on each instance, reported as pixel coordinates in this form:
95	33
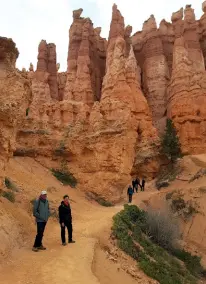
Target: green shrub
99	199
170	144
9	195
130	228
10	185
27	111
65	177
192	262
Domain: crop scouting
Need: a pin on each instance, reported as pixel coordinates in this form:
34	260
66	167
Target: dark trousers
136	187
69	229
130	198
142	188
40	233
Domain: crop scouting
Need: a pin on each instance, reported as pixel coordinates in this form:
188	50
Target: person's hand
62	224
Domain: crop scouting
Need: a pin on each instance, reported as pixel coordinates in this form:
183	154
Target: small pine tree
170	142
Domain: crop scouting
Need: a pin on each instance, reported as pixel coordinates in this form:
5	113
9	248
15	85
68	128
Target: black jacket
65	214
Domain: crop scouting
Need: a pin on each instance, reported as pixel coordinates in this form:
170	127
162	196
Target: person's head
66	198
44	194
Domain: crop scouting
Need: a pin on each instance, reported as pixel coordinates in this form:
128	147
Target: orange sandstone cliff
15	94
102	117
101	127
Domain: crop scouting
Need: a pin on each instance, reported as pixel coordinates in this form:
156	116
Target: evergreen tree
170	142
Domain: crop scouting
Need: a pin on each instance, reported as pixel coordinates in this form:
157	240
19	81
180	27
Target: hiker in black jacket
143	184
137	183
65	220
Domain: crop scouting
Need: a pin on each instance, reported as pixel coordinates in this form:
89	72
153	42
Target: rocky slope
102	117
185	197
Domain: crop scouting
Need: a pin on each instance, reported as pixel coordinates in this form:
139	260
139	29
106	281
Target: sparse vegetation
170	144
130	228
34	131
99	199
169	195
65	177
60	150
162	228
9	195
25	152
10	185
167	175
183	208
199	174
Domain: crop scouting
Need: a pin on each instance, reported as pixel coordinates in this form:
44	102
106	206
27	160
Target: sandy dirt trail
70	264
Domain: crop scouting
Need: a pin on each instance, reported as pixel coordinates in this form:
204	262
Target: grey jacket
41	210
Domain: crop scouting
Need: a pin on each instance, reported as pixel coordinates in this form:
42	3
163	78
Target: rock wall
97	140
102	116
14	99
172	61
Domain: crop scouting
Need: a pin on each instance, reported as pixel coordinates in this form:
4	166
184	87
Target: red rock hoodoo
86	61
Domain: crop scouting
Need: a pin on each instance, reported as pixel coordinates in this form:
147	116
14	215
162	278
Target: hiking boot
71	242
64	244
35	249
41	247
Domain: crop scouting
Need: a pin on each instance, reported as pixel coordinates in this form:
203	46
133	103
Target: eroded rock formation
86	61
102	116
46	67
14	99
149	51
120	124
99	140
187	87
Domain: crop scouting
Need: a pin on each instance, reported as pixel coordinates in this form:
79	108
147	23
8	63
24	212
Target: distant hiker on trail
130	193
133	185
137	183
65	220
143	184
42	213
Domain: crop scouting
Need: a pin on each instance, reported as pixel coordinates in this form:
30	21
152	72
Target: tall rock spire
46	66
149	51
122	117
86	61
187	88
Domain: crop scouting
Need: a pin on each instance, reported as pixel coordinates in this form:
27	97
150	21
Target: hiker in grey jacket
41	213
